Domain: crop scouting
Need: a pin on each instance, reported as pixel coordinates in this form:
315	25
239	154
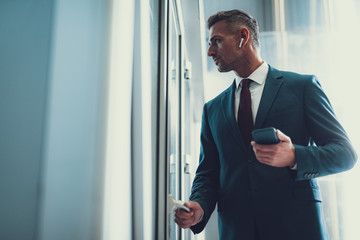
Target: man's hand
276	155
187	219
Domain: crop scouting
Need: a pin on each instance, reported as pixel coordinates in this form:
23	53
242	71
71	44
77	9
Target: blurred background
101	102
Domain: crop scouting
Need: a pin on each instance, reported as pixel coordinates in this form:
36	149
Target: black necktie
245	118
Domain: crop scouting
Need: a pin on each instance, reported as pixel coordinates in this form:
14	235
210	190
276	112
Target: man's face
223	47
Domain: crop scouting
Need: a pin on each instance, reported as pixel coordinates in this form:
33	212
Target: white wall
71	178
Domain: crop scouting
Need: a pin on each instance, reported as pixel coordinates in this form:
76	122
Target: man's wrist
293	166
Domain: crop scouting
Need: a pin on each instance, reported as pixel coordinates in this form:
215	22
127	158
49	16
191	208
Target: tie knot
245	83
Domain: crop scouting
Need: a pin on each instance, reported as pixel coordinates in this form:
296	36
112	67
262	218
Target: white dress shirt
256	87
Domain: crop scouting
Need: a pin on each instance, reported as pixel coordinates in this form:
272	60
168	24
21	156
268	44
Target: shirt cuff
294	167
201	218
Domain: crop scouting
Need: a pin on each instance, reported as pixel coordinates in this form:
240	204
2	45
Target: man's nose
210	51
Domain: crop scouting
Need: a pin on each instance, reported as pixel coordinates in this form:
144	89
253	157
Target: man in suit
265	192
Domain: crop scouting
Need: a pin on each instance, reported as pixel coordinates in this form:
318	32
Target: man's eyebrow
212	38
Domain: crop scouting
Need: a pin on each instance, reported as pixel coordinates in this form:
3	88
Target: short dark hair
235	19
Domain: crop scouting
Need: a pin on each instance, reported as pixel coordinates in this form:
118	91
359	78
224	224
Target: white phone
173	204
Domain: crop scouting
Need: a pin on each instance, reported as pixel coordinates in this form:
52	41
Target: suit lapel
228	109
272	85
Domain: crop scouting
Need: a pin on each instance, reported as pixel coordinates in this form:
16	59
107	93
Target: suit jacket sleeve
330	150
206	182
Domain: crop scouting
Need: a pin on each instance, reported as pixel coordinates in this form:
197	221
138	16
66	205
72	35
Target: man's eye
215	41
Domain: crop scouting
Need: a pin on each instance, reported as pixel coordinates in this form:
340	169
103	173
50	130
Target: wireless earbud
241	41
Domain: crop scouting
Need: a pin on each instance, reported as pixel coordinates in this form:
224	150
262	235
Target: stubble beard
223	67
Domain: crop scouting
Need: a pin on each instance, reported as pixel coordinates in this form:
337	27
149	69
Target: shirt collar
258	76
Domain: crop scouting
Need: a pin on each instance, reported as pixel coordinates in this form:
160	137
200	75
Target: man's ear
243	36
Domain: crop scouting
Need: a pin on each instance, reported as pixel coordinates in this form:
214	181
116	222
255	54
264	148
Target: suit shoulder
297	78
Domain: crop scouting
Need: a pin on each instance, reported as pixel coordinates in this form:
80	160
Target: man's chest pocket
283	115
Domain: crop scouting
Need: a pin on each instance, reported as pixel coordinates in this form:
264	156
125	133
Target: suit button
250	160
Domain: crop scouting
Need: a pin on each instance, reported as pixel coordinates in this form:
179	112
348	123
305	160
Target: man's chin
222	69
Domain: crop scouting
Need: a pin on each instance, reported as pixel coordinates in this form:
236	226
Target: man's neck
250	62
247	70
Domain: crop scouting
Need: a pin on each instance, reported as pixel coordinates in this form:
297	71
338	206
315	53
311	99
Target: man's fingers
187	219
282	137
182	225
182	212
184	221
262	147
183	216
192	205
277	155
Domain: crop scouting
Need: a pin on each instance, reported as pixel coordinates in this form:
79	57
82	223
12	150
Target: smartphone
265	136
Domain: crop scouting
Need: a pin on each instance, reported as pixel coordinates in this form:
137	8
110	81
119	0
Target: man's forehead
219	28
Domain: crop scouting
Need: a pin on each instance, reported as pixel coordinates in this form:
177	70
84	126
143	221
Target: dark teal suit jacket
278	203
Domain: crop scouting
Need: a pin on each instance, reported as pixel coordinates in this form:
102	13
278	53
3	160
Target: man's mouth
216	59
